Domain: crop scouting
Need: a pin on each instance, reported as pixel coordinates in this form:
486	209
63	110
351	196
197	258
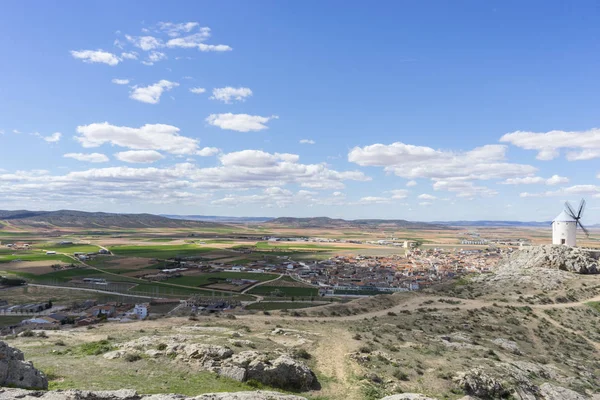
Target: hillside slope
71	218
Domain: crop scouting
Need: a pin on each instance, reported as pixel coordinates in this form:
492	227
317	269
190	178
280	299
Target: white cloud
229	93
197	90
256	158
239	122
175	29
399	193
117	81
411	183
151	94
129	56
139	156
530	180
197	40
145	43
91	157
374	200
464	188
408	161
208	152
584	145
155	56
148	137
425	203
307	141
577	190
96	56
426	196
54	138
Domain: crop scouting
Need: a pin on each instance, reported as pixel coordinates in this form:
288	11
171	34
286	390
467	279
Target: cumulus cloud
227	94
139	156
153	57
129	56
256	158
96	56
530	180
399	193
197	90
175	29
208	151
584	145
117	81
91	157
148	137
374	200
408	161
464	188
307	141
145	43
411	183
426	196
151	94
54	138
239	122
577	190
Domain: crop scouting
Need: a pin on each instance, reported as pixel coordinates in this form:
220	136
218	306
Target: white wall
566	231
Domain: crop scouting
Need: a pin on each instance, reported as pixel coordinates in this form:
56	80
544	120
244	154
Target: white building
141	310
564	230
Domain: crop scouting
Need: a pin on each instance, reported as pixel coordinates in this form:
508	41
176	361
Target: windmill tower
564	226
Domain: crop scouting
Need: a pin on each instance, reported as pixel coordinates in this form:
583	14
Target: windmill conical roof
564	217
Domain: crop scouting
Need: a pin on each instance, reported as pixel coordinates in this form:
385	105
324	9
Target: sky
418	110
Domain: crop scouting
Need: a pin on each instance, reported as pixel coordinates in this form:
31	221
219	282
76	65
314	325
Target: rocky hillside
572	259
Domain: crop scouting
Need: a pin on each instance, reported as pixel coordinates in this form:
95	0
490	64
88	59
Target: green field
10	320
274	305
39	256
287	291
68	248
161	251
214	277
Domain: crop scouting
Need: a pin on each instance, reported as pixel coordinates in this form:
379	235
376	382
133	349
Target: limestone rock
507	345
477	383
283	372
408	396
12	394
551	392
16	372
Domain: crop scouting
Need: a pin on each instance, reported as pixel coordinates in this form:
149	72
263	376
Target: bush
365	349
162	346
28	333
301	353
230	316
132	357
96	348
401	375
357	336
59	343
42	334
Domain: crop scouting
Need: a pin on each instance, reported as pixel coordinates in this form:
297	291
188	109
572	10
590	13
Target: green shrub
96	348
132	357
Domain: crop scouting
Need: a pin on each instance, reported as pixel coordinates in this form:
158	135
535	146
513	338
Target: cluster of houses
417	269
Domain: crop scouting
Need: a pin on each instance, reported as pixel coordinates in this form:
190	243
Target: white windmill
564	226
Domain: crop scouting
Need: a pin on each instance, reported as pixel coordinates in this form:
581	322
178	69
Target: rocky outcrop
277	370
564	258
16	372
408	396
477	383
542	267
12	394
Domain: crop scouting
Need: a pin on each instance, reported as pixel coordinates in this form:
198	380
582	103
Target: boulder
16	372
477	383
508	345
207	351
283	372
233	372
552	392
408	396
11	394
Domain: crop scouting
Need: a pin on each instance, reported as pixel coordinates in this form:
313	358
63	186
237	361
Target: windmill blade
581	208
583	229
570	210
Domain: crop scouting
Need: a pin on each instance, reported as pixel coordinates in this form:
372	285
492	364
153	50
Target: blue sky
417	110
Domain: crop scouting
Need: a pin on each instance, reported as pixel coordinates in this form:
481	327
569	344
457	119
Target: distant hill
495	223
325	222
216	218
82	219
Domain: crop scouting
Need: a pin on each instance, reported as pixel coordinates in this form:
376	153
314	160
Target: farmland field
274	305
161	251
30	256
214	277
286	291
